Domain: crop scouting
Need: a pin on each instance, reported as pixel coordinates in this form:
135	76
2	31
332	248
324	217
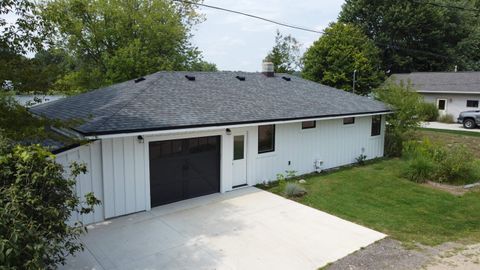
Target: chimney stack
267	69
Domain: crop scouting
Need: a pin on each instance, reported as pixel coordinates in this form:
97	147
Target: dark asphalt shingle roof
450	82
167	100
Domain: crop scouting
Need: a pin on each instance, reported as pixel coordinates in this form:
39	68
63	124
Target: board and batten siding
91	181
331	141
118	168
124	176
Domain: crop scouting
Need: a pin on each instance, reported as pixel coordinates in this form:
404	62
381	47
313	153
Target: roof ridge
140	91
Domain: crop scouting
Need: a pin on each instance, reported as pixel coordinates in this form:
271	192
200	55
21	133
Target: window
376	125
472	103
308	124
349	120
266	139
238	147
441	104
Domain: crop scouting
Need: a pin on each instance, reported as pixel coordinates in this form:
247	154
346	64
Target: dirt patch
455	190
463	258
391	254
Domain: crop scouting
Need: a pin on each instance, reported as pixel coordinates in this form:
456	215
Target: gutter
448	92
209	127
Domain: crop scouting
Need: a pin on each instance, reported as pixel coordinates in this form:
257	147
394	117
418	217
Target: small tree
37	200
408	106
285	55
333	58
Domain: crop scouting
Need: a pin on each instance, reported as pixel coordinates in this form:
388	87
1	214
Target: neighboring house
171	136
452	92
34	100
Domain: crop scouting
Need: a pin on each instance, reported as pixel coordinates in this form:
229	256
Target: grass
377	197
455	132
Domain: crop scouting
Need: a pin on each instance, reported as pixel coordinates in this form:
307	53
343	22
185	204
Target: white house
33	100
452	92
172	136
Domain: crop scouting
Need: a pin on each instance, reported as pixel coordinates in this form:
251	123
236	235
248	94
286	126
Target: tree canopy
333	58
81	45
285	54
415	36
25	34
114	41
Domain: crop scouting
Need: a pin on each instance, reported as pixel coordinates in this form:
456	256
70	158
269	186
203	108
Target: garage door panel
166	180
183	169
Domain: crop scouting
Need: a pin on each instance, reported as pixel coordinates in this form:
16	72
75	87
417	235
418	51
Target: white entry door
442	106
239	160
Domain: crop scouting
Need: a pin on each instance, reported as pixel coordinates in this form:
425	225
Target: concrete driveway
454	126
244	229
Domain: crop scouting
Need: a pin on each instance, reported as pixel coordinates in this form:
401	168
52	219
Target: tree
467	52
333	58
25	34
412	35
409	111
114	41
36	202
285	55
32	75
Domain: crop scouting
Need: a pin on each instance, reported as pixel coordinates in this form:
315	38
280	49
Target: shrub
435	162
429	112
37	200
294	190
446	118
407	104
361	159
456	165
419	169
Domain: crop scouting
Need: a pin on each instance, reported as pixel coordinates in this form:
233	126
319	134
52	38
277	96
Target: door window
238	147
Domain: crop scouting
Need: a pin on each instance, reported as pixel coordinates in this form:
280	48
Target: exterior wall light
140	139
228	131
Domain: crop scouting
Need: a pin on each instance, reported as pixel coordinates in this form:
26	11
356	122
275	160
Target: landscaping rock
472	185
302	181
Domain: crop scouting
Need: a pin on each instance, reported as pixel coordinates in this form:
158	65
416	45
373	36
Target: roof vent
190	78
286	78
267	69
240	78
139	80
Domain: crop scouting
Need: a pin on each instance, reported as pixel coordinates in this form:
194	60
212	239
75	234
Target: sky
236	42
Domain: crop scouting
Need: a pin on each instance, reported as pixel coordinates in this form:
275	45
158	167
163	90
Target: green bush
419	169
446	118
457	165
429	112
435	162
294	190
37	200
408	107
360	160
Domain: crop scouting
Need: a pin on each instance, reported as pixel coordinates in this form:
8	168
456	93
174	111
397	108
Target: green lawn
455	132
377	197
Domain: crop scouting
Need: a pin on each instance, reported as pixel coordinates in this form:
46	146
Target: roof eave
447	92
146	131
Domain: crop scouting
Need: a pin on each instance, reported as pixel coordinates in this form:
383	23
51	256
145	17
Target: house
452	92
33	100
172	136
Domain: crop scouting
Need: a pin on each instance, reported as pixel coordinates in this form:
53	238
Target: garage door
184	169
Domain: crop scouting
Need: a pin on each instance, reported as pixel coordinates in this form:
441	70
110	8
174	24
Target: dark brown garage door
184	169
